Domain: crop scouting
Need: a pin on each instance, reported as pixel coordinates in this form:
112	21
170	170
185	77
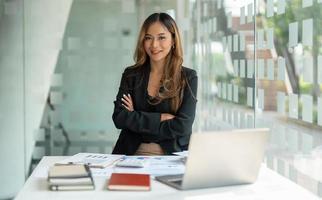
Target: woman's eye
147	38
162	38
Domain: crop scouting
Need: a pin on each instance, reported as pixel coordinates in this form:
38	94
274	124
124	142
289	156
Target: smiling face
157	42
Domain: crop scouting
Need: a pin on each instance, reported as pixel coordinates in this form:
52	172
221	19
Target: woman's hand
127	102
166	116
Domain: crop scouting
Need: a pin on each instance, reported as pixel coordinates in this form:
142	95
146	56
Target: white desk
269	185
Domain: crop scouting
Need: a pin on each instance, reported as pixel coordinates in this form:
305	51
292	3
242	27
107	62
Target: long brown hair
173	80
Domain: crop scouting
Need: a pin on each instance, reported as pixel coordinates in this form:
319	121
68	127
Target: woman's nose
155	43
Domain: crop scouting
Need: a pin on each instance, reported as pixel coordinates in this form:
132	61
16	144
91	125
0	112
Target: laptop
221	158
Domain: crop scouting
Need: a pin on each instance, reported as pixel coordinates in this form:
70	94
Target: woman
156	103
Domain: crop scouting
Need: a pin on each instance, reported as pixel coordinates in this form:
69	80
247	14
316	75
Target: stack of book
70	177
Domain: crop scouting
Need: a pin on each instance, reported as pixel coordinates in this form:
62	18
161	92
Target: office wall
45	23
11	98
260	66
96	49
31	36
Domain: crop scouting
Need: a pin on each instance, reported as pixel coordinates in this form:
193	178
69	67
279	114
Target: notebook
71	171
123	181
70	177
221	159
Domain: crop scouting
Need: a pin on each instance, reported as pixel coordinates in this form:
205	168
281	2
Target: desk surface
269	185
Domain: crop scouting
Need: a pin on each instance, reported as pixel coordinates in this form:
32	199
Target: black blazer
143	124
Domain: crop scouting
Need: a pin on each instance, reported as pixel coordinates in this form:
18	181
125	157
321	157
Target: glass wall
260	64
12	156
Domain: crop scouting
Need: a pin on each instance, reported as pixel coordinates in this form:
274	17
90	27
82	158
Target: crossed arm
162	125
127	102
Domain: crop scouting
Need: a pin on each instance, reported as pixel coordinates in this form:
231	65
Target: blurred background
259	64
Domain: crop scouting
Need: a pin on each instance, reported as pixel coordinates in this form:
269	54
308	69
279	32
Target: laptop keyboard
178	182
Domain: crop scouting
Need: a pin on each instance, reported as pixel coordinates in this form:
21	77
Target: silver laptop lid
224	158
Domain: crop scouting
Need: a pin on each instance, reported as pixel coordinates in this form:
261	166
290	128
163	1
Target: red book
121	181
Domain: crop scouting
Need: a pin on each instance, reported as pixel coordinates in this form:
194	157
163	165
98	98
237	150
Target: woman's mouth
155	52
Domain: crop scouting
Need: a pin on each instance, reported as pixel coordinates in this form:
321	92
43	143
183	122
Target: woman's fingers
127	98
130	97
127	107
127	102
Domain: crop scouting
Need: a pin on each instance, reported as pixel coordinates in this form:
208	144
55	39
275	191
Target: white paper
319	111
236	71
157	166
250	96
260	96
281	102
308	69
293	34
242	15
307	3
320	69
281	68
92	159
241	41
250	68
250	13
270	38
281	4
260	39
230	92
261	69
270	8
236	42
307	32
242	68
236	99
307	108
270	69
182	153
293	106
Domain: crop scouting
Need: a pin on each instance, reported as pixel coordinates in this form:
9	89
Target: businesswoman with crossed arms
156	102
